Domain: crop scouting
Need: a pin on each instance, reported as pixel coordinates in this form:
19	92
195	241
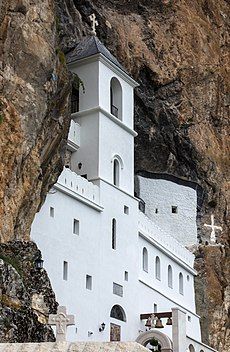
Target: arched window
181	284
116	172
158	268
191	348
170	277
114	234
117	312
116	98
145	259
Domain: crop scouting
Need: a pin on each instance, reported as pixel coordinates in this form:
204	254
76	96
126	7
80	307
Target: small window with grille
74	100
118	289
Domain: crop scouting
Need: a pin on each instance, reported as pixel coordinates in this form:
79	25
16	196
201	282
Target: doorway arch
165	342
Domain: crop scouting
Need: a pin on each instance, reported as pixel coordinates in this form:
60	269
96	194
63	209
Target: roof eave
100	57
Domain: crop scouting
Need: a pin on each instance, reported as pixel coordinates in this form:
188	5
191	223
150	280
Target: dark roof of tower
91	46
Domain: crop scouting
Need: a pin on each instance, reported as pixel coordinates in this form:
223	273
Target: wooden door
115	332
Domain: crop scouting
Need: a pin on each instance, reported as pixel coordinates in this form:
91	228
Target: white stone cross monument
213	227
92	18
61	320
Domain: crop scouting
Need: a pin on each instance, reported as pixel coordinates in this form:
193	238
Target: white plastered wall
162	195
119	142
88	72
88	153
106	74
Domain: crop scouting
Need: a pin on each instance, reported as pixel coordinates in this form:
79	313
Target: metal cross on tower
61	320
92	18
213	227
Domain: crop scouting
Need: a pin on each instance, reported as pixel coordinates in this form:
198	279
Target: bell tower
105	116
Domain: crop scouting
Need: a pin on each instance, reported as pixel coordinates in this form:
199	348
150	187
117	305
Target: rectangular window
89	282
174	209
189	318
155	308
65	271
76	226
126	210
51	212
126	276
118	289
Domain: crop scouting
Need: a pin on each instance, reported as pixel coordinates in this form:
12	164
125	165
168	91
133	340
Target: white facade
171	206
92	234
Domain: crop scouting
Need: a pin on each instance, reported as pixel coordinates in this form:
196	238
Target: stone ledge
73	347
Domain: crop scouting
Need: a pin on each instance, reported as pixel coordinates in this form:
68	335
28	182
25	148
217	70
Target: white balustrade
147	227
79	185
74	136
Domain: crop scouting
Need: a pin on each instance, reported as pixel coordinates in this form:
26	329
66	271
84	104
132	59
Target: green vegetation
61	56
6	322
58	24
77	82
1	113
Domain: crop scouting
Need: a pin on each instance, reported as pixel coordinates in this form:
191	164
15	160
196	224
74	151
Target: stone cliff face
177	51
26	297
34	119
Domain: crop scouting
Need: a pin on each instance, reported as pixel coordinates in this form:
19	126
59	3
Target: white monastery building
125	274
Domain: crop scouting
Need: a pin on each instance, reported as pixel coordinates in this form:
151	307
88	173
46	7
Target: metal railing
114	110
74	105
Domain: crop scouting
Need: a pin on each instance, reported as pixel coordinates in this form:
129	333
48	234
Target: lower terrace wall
73	347
195	346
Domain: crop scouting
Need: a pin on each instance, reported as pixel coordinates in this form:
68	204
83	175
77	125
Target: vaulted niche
145	260
181	284
116	98
170	277
158	268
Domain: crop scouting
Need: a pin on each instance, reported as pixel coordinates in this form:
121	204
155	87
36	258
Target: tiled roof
91	46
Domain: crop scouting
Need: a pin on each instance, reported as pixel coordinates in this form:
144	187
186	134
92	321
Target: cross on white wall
213	227
92	18
61	320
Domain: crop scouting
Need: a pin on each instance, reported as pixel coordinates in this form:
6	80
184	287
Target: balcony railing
114	110
74	136
74	105
81	186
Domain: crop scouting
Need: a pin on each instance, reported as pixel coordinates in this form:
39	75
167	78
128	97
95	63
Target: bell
148	323
159	324
169	321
